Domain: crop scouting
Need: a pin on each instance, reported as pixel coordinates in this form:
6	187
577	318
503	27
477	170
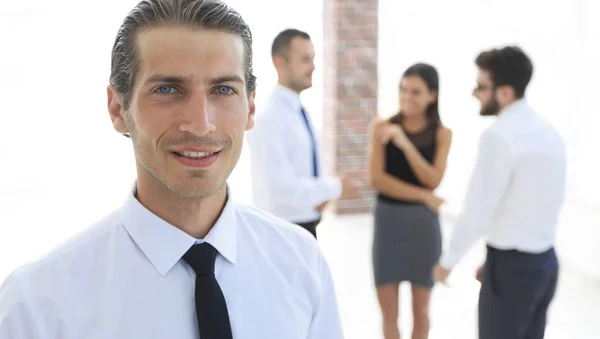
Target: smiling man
179	259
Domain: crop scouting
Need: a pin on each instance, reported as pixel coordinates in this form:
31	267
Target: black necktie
211	309
313	143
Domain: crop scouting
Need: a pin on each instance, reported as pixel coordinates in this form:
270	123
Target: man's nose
199	117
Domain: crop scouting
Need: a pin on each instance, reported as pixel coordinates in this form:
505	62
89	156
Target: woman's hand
399	137
392	132
388	132
433	202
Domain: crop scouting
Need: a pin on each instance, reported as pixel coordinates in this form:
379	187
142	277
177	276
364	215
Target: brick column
350	31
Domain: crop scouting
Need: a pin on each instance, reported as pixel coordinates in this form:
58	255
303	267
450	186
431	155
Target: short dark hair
508	66
282	42
203	14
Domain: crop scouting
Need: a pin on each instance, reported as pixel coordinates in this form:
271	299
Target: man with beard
287	177
514	197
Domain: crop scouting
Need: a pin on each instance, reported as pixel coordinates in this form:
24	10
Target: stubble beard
490	109
199	193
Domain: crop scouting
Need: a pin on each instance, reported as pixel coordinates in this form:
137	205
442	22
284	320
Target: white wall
564	43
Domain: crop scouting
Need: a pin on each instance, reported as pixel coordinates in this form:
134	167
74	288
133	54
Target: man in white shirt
514	198
288	179
178	259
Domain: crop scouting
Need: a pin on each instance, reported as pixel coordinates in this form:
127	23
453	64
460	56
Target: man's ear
510	93
251	111
505	94
116	110
279	62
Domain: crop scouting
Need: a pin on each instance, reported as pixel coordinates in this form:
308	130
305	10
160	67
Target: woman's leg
388	301
420	307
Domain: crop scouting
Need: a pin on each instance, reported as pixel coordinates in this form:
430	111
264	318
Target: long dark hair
430	75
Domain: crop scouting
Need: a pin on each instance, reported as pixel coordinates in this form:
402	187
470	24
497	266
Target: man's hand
321	207
350	185
479	273
440	273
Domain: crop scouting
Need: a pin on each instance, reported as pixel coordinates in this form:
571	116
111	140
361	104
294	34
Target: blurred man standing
287	176
514	197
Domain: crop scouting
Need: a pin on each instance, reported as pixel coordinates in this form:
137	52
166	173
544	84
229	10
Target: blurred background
63	166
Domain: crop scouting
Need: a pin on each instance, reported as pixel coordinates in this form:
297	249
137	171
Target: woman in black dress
407	161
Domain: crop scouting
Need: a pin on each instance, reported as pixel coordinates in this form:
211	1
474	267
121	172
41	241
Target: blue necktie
313	143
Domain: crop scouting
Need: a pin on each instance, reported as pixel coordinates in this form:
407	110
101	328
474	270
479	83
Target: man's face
486	94
188	111
300	64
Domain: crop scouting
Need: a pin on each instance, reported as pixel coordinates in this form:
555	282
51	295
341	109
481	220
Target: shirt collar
164	244
290	97
520	106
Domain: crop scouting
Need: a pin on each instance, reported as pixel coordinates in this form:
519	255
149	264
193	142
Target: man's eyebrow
172	79
223	79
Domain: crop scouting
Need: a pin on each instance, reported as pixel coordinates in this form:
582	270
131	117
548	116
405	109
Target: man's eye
224	90
165	90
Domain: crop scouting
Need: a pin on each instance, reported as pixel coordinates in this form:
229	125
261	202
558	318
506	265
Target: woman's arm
379	179
428	174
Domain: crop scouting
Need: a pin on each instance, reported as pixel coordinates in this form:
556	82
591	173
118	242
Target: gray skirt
407	243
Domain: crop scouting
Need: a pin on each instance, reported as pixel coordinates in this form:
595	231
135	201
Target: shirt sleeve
272	161
488	184
326	322
17	319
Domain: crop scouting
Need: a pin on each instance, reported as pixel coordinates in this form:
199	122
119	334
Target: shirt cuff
333	188
448	261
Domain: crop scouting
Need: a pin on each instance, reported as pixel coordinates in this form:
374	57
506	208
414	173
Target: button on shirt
281	160
124	278
517	188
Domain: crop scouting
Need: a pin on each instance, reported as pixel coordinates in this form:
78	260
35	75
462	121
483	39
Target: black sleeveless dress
407	240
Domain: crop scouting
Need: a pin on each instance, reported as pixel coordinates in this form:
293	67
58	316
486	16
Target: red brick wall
350	31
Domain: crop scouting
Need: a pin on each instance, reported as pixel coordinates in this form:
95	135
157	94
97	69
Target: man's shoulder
272	223
272	110
47	283
58	261
496	132
268	119
521	129
280	245
284	234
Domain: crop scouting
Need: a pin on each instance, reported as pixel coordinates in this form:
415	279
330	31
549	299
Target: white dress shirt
517	187
124	278
281	161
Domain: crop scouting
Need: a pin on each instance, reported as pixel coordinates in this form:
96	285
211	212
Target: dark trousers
516	291
310	226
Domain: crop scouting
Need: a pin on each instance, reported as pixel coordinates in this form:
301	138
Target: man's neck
506	105
283	83
195	217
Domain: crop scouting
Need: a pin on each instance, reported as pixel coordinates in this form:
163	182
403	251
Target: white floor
346	243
